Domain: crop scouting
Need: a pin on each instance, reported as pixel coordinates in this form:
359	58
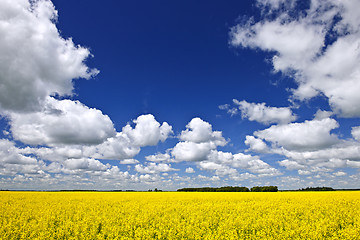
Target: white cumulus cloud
61	122
119	147
190	151
87	164
301	51
197	141
147	131
312	134
255	144
263	114
239	161
154	168
159	157
355	132
189	170
199	131
10	154
35	61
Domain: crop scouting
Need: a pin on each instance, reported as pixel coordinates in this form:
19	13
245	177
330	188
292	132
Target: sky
118	95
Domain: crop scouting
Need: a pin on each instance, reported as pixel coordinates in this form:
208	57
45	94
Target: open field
175	215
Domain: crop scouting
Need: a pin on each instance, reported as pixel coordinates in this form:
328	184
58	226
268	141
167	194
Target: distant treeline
317	189
264	189
231	189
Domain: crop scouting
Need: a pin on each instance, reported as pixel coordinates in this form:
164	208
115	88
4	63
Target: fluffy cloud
291	165
189	170
317	46
54	154
150	178
301	51
220	170
255	144
308	147
129	161
154	168
197	141
119	147
263	114
37	64
15	163
9	154
320	114
291	39
230	110
61	122
147	131
199	131
158	157
190	151
37	69
17	169
346	152
355	132
311	166
126	144
35	61
238	161
87	164
339	174
312	134
275	4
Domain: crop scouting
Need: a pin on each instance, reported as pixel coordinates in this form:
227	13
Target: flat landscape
180	215
208	119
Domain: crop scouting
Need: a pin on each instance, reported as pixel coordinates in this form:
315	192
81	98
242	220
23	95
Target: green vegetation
317	189
264	189
231	189
214	189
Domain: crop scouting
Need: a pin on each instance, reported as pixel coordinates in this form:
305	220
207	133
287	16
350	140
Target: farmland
179	215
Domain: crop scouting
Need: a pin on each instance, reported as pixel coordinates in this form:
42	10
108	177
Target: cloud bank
35	61
317	47
54	141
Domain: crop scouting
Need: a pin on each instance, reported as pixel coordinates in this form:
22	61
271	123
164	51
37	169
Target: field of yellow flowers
179	215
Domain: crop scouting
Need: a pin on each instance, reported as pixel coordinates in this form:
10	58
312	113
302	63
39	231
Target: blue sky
145	94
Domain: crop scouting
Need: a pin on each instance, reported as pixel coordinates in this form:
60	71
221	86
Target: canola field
179	215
